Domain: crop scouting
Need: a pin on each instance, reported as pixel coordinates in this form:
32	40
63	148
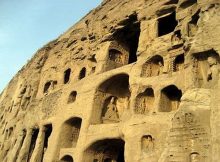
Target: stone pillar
215	123
16	148
38	153
23	155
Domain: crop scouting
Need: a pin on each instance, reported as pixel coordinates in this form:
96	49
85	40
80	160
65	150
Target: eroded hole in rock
112	99
70	132
145	101
82	73
67	74
179	63
167	24
49	86
72	97
153	67
67	158
35	133
46	87
170	98
107	150
129	36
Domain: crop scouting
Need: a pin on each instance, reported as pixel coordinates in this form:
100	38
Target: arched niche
107	150
178	64
118	55
67	158
170	98
153	67
195	157
72	97
144	101
128	35
206	67
70	132
111	99
147	143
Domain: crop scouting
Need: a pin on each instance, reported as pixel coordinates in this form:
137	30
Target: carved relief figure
116	56
160	71
147	144
20	96
213	70
142	106
112	111
26	98
195	157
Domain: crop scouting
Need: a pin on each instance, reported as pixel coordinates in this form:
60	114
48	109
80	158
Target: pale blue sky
26	25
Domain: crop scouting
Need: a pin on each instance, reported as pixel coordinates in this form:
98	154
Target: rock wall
133	81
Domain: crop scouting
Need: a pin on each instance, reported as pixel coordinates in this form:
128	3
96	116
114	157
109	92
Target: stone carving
214	69
111	113
195	157
145	101
147	36
206	68
153	67
26	97
147	144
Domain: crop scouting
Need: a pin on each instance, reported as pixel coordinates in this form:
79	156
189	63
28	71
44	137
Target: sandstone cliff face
133	81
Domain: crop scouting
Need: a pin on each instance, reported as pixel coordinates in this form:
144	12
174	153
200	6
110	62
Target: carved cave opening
67	74
145	101
206	67
82	73
48	131
35	133
153	67
179	63
167	24
70	132
72	97
107	150
170	98
193	24
67	158
112	99
129	36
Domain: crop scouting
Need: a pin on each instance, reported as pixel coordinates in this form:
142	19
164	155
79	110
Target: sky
27	25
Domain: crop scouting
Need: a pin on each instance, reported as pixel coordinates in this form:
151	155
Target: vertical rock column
215	123
38	153
17	147
23	155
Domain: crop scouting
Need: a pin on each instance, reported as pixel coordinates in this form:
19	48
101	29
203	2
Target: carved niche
206	68
145	101
153	67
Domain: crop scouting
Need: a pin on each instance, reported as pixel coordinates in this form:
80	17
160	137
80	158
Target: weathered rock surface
133	81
